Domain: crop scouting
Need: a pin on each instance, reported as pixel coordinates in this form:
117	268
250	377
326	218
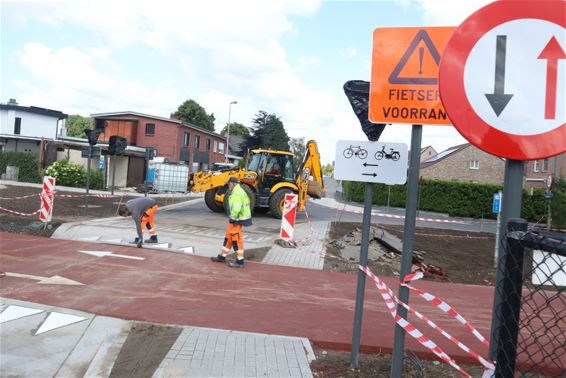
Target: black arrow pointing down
499	100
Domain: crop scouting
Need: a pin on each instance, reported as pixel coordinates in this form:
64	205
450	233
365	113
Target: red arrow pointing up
551	52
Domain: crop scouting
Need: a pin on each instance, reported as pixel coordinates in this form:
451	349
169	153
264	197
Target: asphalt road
197	214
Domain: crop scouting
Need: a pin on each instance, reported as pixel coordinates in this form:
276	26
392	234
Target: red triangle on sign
284	233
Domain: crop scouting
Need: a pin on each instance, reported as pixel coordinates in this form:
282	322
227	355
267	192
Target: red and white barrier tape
18	213
60	196
390	300
394	216
443	306
22	197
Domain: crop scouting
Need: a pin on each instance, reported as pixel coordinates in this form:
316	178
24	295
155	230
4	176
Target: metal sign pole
510	208
407	257
368	197
113	172
88	177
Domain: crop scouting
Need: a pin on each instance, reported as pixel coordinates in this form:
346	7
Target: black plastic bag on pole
357	92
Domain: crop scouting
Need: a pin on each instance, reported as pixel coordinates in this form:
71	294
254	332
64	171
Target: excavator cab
272	167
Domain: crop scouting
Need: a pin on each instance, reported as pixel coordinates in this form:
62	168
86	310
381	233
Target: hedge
25	161
461	199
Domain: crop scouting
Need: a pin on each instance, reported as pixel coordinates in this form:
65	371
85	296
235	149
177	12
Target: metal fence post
510	308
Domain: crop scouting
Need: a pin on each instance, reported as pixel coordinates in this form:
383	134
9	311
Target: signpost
404	75
497	210
377	162
404	89
369	162
498	79
499	85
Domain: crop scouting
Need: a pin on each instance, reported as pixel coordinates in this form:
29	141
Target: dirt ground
65	209
464	257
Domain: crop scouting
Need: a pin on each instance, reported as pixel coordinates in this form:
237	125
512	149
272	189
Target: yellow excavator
266	178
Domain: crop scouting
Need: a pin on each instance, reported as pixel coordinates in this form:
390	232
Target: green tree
267	132
236	129
76	124
328	169
191	112
298	148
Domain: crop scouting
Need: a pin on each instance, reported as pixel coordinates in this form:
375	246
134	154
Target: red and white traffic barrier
47	195
289	215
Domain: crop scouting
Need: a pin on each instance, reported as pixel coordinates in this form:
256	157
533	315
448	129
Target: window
17	126
474	164
197	142
150	129
545	165
208	144
221	148
186	139
536	166
215	146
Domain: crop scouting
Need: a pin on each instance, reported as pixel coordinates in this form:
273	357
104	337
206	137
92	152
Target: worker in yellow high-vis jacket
239	214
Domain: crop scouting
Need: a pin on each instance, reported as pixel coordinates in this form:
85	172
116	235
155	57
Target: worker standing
142	211
239	215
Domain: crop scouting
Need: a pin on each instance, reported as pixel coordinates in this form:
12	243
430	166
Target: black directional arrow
498	100
369	174
370	165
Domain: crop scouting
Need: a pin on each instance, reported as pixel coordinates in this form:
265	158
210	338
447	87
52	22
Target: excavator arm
309	178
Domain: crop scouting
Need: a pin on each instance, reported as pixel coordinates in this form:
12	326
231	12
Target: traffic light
100	124
92	135
116	145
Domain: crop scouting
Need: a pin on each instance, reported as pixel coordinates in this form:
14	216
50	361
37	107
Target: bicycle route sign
376	162
502	79
404	75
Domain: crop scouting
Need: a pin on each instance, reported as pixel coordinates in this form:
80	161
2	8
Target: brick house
536	171
464	162
172	139
427	152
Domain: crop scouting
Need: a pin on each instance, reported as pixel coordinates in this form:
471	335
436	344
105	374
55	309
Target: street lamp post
228	131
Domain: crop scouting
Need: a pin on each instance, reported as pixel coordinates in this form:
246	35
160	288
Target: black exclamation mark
421	56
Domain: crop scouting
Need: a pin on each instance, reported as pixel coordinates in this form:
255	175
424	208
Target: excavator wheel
277	201
210	202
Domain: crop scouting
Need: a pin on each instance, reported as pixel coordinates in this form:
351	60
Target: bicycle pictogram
355	150
393	155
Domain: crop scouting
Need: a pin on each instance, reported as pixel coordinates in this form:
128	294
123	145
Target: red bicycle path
173	288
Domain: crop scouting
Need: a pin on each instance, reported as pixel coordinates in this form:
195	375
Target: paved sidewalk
205	352
39	340
309	252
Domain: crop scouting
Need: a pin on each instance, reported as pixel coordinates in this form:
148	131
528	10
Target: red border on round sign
453	94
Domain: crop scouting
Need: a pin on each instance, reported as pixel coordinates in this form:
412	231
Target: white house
22	127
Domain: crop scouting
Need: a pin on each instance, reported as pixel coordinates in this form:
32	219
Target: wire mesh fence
531	316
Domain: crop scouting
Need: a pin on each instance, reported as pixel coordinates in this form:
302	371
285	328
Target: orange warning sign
404	75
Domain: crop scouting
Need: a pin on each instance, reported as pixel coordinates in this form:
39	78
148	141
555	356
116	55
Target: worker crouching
239	214
142	211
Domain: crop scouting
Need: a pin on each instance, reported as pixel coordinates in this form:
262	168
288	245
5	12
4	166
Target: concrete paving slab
93	355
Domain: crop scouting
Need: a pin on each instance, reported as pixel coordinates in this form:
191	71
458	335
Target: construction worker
239	215
142	210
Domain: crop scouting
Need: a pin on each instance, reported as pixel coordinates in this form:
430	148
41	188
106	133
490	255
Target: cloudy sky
287	57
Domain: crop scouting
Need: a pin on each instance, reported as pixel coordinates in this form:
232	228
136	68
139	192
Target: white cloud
65	79
445	12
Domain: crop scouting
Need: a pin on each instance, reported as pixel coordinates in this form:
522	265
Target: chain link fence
530	337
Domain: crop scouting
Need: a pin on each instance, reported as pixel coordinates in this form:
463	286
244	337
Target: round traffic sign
502	76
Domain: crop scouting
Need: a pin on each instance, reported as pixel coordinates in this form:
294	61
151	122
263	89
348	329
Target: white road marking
57	320
53	280
111	254
13	312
